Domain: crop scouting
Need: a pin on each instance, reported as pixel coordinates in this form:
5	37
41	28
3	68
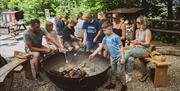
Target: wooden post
160	79
27	70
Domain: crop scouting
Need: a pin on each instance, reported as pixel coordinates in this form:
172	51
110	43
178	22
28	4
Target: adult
65	17
119	27
102	18
79	26
141	47
59	26
33	40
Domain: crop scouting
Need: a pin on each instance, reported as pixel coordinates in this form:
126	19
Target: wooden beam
9	67
18	69
162	20
19	59
157	62
166	31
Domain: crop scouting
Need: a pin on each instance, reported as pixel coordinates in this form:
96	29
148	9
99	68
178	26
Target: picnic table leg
27	70
24	27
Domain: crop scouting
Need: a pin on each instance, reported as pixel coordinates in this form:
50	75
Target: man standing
33	40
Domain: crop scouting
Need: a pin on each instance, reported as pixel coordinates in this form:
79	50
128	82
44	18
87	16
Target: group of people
97	35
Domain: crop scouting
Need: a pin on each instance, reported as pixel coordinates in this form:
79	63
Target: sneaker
41	68
124	88
110	86
39	78
144	77
128	78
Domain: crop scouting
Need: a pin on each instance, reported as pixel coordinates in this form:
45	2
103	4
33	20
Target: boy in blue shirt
91	31
115	48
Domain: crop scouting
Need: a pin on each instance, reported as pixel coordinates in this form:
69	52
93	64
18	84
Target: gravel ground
22	84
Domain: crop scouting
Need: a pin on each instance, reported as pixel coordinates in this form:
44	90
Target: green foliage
12	3
3	5
35	8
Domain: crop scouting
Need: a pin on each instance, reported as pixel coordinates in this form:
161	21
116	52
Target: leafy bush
35	8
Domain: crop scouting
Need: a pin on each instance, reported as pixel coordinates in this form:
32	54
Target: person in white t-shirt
78	28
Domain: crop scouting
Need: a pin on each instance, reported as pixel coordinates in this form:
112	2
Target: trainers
124	88
128	78
110	86
39	78
144	77
41	68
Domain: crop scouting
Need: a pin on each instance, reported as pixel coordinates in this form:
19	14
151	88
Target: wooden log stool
161	68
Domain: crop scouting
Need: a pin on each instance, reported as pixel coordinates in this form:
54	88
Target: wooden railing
170	21
165	31
177	31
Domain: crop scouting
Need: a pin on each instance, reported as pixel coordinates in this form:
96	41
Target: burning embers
84	69
74	73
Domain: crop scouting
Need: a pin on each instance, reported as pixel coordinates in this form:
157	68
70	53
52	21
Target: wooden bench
160	76
20	59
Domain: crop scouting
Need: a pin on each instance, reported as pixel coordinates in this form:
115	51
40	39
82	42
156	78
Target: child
53	34
129	32
70	41
91	32
115	48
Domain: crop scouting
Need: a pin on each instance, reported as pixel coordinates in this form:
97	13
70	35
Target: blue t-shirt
113	44
91	29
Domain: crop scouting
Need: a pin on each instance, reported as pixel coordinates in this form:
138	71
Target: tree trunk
170	10
144	3
178	14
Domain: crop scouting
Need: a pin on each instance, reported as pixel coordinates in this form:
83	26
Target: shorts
91	46
68	44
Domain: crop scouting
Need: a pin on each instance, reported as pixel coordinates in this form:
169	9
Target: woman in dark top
102	18
119	27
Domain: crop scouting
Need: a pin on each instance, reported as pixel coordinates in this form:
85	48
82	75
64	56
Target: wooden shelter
129	13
